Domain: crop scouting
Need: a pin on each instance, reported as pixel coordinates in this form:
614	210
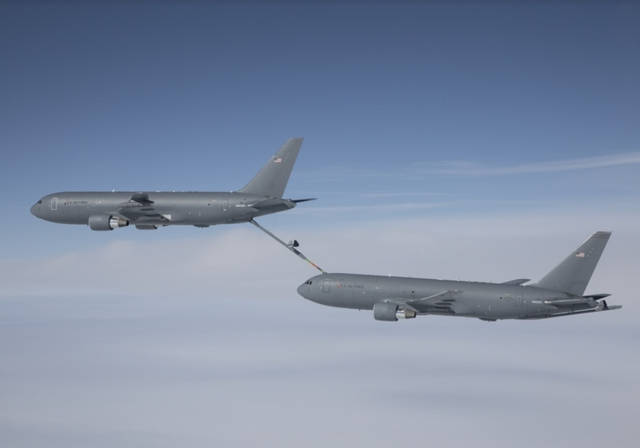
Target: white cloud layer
204	341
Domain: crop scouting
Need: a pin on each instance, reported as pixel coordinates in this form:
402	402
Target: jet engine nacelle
106	222
391	312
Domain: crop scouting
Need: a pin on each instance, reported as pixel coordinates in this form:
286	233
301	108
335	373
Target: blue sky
197	96
470	141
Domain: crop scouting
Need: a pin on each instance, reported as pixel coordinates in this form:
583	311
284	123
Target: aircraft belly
488	307
244	214
181	215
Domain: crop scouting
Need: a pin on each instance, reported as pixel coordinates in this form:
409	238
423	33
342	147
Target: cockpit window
308	282
40	201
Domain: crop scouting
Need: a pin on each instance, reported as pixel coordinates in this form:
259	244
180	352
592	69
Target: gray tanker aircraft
559	293
149	210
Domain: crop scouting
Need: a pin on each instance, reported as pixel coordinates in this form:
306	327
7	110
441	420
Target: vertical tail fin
574	273
272	179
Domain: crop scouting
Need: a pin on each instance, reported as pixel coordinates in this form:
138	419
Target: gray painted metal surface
574	273
149	209
559	293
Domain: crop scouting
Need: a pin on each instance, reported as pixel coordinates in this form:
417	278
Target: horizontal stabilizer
303	200
612	307
516	282
566	302
597	296
267	203
592	310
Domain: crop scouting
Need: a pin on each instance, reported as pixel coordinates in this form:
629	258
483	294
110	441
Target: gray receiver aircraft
149	210
559	293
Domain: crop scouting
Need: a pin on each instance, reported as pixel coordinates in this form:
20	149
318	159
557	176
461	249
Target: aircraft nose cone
302	290
38	209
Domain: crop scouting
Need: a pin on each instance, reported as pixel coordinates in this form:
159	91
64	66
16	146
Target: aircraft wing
149	216
140	210
438	302
141	198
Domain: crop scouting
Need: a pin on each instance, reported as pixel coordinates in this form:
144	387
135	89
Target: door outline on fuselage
326	286
54	204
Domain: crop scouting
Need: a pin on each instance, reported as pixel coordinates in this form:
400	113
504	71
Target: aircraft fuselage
150	209
488	301
158	209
